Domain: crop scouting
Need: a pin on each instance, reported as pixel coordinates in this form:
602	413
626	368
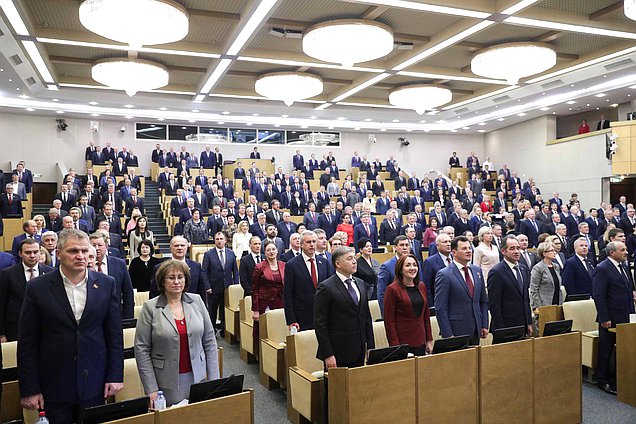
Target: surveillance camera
403	141
122	129
372	138
613	137
61	124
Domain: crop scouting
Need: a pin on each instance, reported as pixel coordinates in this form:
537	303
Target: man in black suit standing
70	336
13	281
248	263
614	292
343	322
10	203
603	124
218	161
255	154
508	285
302	275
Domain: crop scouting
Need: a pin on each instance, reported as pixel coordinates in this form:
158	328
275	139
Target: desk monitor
216	388
129	323
129	353
575	297
451	344
431	310
388	354
509	334
114	411
553	328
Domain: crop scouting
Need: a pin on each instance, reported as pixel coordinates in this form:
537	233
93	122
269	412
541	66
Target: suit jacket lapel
92	288
60	294
514	278
459	275
167	312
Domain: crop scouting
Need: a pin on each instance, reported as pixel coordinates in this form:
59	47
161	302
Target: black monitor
451	344
553	328
509	334
431	310
216	388
129	353
575	297
9	374
388	354
114	411
129	323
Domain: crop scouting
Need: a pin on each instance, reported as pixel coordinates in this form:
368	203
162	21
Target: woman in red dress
267	285
346	227
584	128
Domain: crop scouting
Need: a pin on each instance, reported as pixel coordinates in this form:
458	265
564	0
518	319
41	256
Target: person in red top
267	285
407	319
346	227
486	204
584	128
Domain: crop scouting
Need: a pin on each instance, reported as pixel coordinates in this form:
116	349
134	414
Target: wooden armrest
304	374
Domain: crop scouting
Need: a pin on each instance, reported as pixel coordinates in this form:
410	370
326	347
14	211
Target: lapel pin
95	286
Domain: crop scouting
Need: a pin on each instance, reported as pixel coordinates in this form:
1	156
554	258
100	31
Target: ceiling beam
90	62
374	12
600	14
549	36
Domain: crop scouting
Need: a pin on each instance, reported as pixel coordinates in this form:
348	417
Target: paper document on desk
632	318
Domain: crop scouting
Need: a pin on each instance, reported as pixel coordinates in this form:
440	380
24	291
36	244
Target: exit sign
615	179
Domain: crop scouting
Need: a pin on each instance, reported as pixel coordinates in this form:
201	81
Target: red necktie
469	282
314	273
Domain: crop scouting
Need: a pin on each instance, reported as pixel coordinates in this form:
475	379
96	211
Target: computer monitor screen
575	297
509	334
388	354
9	374
129	323
553	328
216	388
114	411
129	353
450	344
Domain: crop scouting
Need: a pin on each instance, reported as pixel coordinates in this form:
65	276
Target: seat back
246	310
276	325
305	348
141	297
374	308
132	382
582	313
137	312
379	335
9	354
233	296
129	337
435	329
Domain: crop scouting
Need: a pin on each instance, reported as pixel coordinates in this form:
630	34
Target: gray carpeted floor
271	405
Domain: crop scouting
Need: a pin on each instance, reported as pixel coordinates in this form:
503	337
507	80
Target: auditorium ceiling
594	40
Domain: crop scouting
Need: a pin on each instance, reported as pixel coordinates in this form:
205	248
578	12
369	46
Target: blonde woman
545	278
241	240
486	254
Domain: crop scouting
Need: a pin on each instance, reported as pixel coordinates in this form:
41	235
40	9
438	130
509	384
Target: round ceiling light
130	75
630	9
135	22
513	61
420	97
348	41
288	86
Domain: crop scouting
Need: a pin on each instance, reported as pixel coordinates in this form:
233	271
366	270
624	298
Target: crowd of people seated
491	243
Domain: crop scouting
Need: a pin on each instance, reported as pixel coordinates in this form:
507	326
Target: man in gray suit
157	336
527	258
271	234
88	212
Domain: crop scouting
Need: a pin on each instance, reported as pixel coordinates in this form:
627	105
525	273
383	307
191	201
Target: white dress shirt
76	294
353	284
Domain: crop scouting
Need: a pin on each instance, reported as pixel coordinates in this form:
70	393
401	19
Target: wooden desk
626	363
383	393
10	409
447	387
557	379
234	409
12	228
505	383
549	314
148	418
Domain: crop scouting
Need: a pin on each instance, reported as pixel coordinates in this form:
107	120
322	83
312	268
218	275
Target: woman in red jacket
267	285
346	227
407	319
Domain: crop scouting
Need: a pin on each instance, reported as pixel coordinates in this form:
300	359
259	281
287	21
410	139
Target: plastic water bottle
160	402
267	309
42	419
293	330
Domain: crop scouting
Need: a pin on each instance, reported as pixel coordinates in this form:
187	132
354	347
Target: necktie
366	227
518	275
329	218
534	224
314	273
351	291
31	274
448	261
99	267
258	259
469	282
392	225
10	196
76	226
84	210
222	258
588	267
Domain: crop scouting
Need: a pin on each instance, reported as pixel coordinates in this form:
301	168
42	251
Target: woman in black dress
142	267
368	267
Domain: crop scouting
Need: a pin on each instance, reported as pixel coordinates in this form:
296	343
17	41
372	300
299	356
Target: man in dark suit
508	285
310	219
259	227
274	215
248	263
286	228
453	161
365	229
298	161
597	225
255	154
461	302
178	250
578	270
603	124
10	203
435	262
530	227
327	221
156	153
389	229
614	292
88	154
30	229
71	353
114	223
343	321
207	158
294	248
218	161
135	202
583	233
13	281
302	275
220	271
573	220
116	268
628	221
387	269
114	198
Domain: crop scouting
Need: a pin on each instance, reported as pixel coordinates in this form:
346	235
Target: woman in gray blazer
175	345
545	278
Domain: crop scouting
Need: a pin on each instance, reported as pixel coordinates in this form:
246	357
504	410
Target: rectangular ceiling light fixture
14	17
38	61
